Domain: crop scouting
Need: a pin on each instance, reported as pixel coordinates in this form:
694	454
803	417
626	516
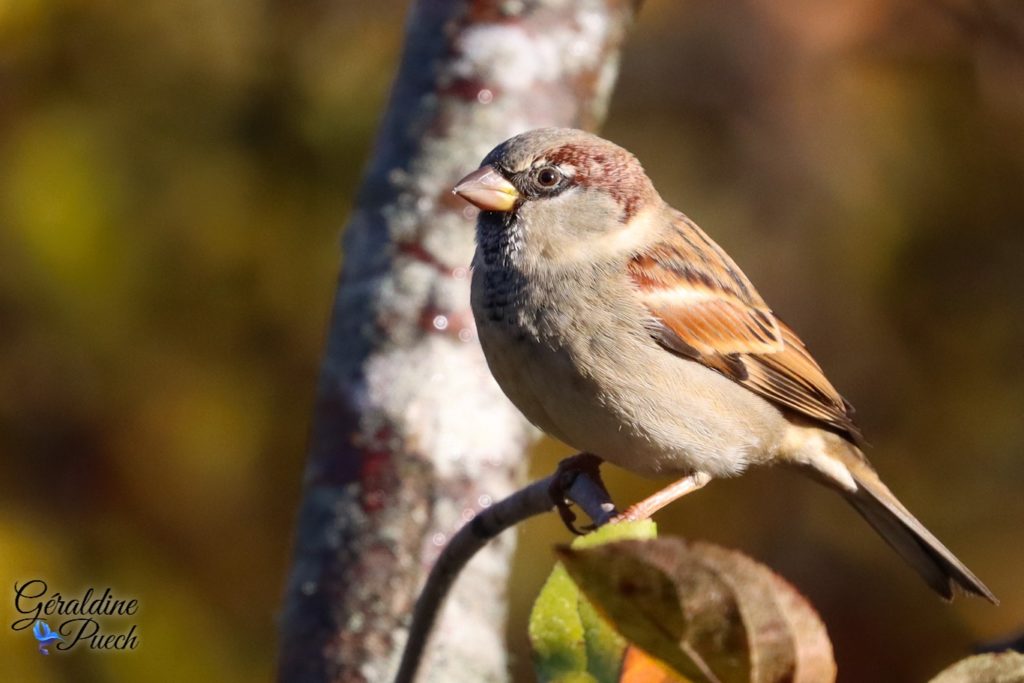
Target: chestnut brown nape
604	166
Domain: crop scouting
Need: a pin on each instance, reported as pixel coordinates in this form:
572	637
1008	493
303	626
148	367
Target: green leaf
604	647
556	630
642	530
570	642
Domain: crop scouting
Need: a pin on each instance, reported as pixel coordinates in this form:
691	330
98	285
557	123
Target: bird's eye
548	176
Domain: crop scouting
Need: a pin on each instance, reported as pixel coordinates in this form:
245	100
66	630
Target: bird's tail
939	567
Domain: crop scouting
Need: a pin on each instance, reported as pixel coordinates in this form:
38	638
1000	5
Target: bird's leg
568	470
673	492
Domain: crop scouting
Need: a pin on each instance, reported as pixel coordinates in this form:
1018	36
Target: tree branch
586	490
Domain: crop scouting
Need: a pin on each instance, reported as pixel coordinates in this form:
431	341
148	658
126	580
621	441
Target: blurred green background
173	179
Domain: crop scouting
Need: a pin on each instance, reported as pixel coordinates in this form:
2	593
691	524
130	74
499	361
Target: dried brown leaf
709	613
1002	667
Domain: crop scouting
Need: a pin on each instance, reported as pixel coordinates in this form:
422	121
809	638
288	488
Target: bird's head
560	189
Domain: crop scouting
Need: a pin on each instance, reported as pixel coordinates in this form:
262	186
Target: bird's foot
565	475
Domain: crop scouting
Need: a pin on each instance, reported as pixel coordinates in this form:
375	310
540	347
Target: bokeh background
174	176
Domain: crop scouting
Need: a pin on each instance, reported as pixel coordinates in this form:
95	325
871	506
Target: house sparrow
617	326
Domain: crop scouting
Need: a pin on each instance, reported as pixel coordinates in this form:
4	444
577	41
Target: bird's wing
704	308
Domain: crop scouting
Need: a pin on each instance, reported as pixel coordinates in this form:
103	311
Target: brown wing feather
703	307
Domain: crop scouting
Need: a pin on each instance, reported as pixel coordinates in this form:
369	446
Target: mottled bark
411	436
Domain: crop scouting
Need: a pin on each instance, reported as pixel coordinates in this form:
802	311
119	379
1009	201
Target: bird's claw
565	475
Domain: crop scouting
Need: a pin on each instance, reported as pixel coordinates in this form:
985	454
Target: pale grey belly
639	407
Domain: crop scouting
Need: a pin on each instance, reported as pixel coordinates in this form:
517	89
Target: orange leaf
640	667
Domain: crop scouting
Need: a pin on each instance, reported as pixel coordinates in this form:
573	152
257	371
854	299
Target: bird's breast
576	359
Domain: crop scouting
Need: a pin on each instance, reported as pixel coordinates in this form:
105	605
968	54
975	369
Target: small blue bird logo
45	635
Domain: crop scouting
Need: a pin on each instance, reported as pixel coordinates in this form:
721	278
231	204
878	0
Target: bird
616	325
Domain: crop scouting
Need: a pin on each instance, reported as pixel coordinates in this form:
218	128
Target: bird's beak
486	189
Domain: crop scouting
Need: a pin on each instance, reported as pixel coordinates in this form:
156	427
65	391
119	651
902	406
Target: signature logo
44	635
92	619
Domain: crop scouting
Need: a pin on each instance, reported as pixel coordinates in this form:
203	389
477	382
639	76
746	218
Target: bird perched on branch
616	325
